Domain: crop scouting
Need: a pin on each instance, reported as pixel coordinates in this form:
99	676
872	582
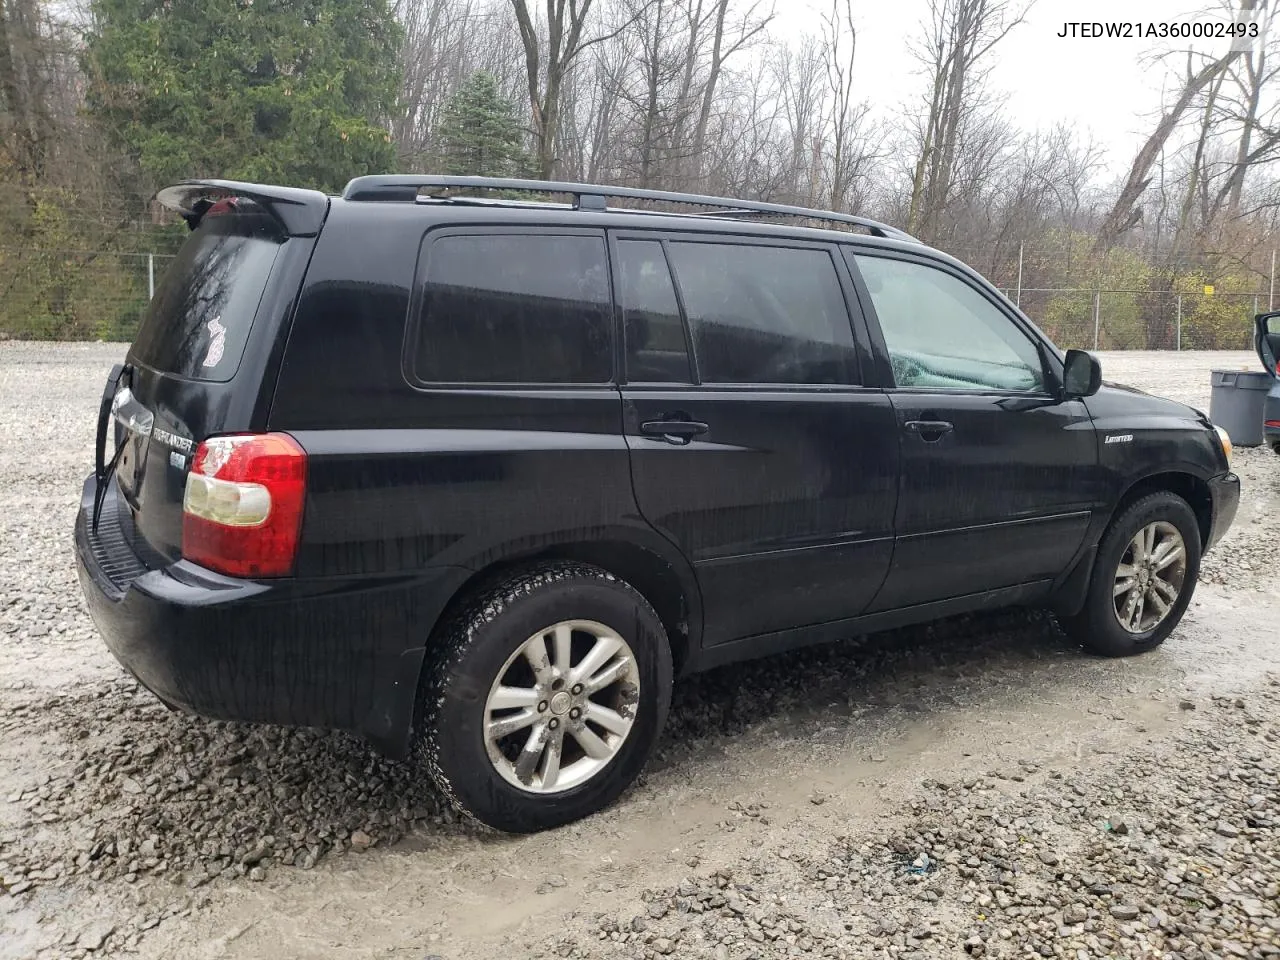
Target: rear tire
1130	608
584	745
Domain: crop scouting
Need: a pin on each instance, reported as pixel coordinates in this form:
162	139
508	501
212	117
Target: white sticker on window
217	342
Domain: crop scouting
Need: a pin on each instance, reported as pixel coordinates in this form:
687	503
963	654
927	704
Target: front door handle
678	432
930	431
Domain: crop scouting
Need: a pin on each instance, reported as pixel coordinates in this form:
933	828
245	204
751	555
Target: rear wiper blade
103	469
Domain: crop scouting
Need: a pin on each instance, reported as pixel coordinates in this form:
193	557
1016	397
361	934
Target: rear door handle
678	432
930	430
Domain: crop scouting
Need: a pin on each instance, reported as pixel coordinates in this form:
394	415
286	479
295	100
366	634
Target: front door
754	447
999	478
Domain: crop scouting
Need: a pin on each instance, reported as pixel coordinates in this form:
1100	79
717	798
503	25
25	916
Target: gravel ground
1029	862
973	788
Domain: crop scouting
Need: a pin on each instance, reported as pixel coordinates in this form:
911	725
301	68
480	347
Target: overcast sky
1109	86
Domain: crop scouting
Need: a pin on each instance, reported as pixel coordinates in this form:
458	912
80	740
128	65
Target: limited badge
217	342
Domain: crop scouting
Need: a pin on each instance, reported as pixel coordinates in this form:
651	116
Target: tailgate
185	378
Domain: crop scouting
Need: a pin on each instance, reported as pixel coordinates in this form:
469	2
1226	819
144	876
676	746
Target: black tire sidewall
462	760
1101	630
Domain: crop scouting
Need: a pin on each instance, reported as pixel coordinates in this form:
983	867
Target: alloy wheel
561	706
1150	577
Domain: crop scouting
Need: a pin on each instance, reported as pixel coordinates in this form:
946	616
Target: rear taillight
1272	424
242	511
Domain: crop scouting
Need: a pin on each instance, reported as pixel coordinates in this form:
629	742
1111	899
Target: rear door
1266	340
754	446
999	477
197	365
489	426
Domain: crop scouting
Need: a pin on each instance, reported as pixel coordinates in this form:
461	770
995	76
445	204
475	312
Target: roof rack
406	188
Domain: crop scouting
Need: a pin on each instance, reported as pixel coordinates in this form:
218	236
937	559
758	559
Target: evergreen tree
284	91
479	134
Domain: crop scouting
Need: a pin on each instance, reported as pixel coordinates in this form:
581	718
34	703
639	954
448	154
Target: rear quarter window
199	320
514	308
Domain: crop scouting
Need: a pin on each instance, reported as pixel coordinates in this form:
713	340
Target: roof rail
407	187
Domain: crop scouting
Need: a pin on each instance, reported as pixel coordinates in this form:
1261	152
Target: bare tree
594	116
727	40
845	115
1251	81
1199	174
799	77
26	77
1248	106
1125	212
445	42
548	64
958	38
650	84
431	52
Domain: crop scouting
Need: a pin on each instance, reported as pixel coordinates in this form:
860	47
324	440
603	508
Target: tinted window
765	314
199	319
656	347
515	309
943	334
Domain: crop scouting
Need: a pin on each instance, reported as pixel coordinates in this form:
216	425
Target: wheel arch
675	598
1189	486
1069	593
661	576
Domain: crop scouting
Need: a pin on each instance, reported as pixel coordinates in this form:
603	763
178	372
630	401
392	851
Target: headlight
1225	439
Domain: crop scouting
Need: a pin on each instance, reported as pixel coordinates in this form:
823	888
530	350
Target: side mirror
1081	375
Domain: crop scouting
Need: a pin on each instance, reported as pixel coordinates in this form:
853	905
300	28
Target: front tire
1143	579
545	698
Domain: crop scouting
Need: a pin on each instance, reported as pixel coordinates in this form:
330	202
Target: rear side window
762	314
515	308
657	351
199	320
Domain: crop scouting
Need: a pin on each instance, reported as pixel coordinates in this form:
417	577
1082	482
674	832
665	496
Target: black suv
478	477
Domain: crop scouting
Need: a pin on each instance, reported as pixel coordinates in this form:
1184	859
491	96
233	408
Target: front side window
761	314
515	308
944	335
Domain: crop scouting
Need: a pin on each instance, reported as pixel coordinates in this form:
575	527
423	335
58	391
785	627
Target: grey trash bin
1237	402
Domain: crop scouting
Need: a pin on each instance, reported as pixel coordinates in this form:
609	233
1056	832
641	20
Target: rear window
515	308
199	320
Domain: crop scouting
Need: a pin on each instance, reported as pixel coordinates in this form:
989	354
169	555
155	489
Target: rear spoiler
300	212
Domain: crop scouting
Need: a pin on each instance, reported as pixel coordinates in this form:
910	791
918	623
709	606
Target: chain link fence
102	295
76	294
1142	319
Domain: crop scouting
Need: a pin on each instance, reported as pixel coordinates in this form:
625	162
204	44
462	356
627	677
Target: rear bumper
1225	493
338	653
